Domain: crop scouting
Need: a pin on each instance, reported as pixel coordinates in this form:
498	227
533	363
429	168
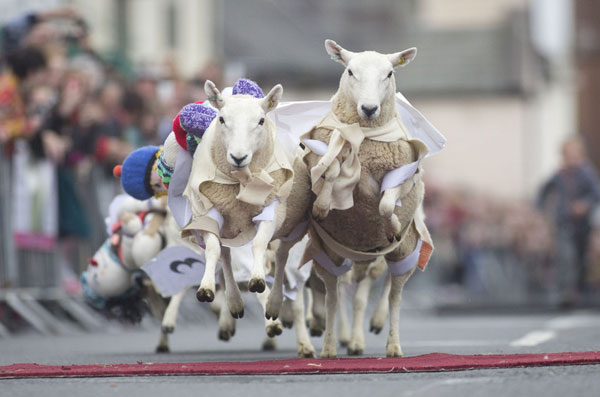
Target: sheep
352	217
241	177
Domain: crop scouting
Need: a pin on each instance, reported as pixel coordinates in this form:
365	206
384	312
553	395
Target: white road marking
534	338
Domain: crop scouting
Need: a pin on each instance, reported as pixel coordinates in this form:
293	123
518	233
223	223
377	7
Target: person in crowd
24	70
569	197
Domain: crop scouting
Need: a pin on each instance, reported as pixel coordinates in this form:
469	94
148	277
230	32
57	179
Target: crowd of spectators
80	111
510	250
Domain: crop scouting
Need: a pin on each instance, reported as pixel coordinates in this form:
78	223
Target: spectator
568	198
24	69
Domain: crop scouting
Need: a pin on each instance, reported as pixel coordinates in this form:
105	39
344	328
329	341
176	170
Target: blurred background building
507	82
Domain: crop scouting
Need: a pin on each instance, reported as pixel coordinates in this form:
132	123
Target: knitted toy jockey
112	282
138	173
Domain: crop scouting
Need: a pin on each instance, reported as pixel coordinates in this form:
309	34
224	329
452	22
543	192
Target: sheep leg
157	308
393	348
407	246
322	204
264	235
272	327
170	317
276	296
381	312
287	313
309	307
331	295
232	290
225	320
163	342
206	291
361	297
317	323
387	205
305	348
343	323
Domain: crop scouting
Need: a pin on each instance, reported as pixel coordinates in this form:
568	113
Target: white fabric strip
268	213
328	265
405	265
318	147
296	118
179	205
214	213
199	240
398	176
418	126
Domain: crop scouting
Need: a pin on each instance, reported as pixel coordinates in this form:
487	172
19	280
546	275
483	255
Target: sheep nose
369	109
238	160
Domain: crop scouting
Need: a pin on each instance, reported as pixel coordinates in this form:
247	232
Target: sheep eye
390	74
261	121
350	73
221	120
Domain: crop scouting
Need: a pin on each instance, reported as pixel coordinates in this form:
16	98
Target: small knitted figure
138	173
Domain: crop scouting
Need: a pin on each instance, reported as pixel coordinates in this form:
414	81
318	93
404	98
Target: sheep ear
403	58
213	95
271	100
337	53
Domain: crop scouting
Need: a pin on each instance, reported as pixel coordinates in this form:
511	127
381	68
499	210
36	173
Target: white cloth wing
293	119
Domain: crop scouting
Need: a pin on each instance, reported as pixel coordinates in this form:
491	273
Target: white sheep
362	162
243	188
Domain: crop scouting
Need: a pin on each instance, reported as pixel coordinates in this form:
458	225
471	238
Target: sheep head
241	124
369	76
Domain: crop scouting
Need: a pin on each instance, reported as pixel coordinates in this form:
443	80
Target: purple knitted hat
195	118
247	87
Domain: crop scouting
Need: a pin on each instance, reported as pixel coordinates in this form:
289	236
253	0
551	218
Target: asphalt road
421	333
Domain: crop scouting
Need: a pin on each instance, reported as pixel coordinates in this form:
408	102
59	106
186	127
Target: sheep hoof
269	345
274	330
256	285
306	350
328	352
320	213
162	349
316	332
205	295
287	324
168	329
225	335
393	350
355	351
343	342
375	329
239	314
273	307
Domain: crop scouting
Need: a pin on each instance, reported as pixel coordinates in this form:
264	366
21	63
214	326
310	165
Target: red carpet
425	363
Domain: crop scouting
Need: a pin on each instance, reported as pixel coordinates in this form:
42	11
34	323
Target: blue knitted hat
136	172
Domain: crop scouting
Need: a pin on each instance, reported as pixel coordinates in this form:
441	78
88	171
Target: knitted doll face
105	275
241	123
156	182
369	76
